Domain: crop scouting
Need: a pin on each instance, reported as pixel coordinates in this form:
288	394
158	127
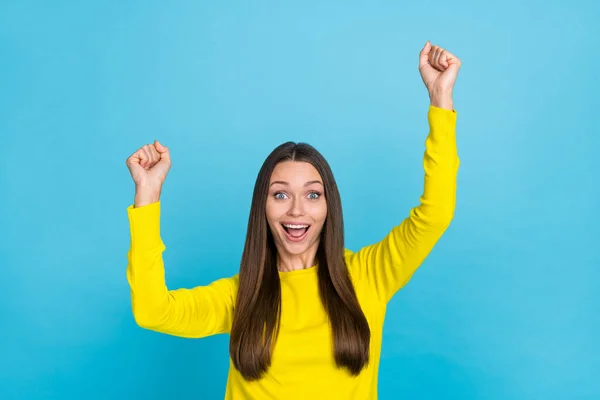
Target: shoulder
232	282
361	281
352	264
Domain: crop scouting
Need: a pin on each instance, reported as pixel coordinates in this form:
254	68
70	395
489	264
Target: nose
296	208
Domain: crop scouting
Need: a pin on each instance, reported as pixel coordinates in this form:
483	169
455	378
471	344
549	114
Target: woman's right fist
150	165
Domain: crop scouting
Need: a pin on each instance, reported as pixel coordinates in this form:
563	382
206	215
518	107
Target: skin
439	70
296	195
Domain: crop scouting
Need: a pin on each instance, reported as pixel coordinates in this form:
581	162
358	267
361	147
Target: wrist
441	99
145	196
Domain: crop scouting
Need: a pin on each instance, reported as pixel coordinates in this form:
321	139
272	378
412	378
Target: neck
291	262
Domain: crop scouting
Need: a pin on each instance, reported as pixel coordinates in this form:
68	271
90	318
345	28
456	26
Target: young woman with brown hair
305	315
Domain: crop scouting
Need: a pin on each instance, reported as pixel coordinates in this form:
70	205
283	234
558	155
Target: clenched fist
439	68
149	167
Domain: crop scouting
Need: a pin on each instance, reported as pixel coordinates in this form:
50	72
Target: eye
315	195
279	196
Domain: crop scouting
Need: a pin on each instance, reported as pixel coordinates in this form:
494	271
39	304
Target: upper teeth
295	226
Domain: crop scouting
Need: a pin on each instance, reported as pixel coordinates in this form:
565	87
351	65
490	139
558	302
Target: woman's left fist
438	68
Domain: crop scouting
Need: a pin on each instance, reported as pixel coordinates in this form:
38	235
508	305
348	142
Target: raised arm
197	312
390	263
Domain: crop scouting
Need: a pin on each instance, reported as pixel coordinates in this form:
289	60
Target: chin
296	249
299	248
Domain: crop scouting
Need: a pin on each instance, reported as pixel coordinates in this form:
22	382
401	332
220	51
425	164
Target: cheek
273	226
271	209
319	213
269	212
274	212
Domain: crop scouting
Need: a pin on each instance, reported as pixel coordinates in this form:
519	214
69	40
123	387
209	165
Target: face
296	207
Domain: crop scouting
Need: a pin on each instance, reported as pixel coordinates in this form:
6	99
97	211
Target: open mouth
295	233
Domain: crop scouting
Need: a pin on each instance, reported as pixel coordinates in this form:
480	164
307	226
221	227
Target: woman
305	315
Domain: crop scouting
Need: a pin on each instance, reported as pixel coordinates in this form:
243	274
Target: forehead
295	172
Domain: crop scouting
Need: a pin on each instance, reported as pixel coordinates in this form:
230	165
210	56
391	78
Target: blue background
505	307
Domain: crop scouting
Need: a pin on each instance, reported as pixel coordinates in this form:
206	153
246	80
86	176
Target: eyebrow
287	184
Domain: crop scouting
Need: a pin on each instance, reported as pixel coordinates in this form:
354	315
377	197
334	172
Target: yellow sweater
303	366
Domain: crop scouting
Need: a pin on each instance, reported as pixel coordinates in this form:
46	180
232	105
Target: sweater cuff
144	227
441	115
442	122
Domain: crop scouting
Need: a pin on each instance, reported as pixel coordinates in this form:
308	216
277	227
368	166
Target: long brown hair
258	305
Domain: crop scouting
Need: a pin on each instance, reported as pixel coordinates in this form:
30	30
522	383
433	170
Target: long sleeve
197	312
386	266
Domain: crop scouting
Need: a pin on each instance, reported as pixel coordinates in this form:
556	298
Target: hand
150	165
439	69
